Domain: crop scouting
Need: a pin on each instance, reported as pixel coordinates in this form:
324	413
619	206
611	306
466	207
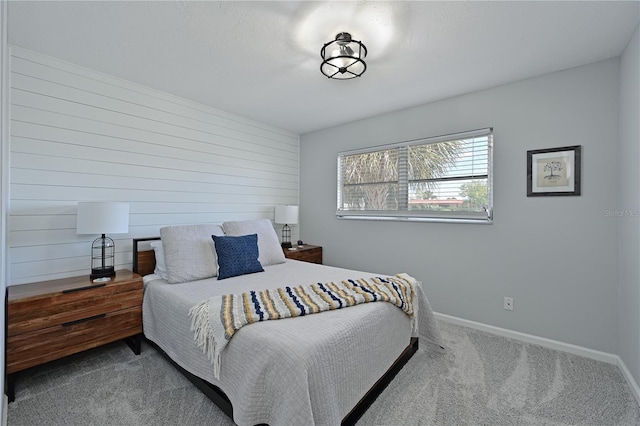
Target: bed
325	368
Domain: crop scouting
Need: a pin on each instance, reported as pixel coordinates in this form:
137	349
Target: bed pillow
188	252
270	251
237	255
161	267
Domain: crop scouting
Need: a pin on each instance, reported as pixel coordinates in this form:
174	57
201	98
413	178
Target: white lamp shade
102	218
287	215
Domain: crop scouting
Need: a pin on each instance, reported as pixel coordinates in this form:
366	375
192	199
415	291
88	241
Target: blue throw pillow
237	255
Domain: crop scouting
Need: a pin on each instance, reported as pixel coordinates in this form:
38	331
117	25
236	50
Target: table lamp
102	218
287	215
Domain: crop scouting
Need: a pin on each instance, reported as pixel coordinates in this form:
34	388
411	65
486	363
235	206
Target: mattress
306	370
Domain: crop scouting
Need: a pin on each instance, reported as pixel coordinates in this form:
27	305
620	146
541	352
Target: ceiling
261	59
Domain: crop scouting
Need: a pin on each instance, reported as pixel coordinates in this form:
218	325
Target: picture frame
554	171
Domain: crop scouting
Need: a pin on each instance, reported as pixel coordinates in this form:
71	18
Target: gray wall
555	255
4	185
628	201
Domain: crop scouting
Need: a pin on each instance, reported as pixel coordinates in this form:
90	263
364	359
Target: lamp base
107	271
286	245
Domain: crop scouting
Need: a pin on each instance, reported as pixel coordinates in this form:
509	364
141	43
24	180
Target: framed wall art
553	171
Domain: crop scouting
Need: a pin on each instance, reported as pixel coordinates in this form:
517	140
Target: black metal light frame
102	258
342	42
286	236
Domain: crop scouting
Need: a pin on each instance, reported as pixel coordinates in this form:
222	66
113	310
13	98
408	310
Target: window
446	178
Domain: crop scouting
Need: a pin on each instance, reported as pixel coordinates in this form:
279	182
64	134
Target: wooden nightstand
49	320
306	253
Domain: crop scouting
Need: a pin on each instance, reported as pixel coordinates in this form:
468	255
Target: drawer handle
67	324
89	287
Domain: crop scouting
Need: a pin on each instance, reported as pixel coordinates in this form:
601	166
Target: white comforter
306	370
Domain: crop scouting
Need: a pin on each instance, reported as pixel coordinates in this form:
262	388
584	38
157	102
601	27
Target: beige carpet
481	379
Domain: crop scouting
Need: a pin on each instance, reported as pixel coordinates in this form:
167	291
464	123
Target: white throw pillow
270	251
189	253
161	266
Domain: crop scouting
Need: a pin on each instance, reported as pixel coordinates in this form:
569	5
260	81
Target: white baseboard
530	338
635	390
552	344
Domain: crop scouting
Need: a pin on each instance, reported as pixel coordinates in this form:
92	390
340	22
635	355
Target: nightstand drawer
37	347
29	314
306	253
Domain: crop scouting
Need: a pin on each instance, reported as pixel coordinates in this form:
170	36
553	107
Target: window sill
417	219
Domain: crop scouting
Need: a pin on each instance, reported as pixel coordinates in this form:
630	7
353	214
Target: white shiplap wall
79	135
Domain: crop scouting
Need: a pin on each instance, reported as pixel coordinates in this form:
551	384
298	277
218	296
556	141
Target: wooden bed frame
144	263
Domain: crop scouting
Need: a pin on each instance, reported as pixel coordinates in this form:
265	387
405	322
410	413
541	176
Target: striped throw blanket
214	321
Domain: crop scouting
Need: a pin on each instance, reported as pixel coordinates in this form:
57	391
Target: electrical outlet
508	303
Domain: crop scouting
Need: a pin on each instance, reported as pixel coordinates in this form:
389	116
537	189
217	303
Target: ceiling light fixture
342	58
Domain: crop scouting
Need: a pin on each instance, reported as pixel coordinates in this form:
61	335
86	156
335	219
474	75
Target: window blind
445	178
